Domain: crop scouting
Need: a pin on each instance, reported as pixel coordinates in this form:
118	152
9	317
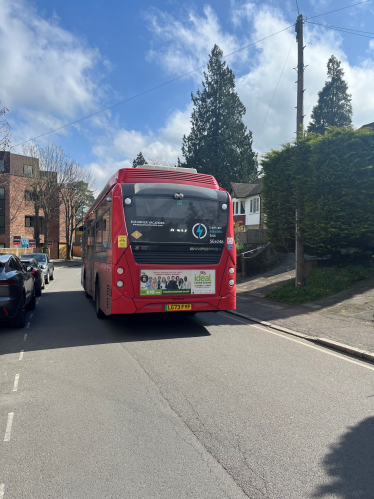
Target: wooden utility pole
299	243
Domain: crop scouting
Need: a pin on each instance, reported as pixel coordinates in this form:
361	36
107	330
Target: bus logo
199	231
136	234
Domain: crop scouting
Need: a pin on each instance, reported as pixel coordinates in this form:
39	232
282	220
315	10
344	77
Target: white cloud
185	45
181	48
46	72
119	147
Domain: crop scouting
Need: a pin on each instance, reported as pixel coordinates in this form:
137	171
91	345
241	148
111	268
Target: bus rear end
173	244
160	239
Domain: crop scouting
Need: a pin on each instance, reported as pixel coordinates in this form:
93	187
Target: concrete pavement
173	407
347	317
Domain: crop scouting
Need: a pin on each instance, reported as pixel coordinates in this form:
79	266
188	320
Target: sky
62	60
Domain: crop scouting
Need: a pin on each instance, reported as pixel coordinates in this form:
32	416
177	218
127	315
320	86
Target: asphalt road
160	407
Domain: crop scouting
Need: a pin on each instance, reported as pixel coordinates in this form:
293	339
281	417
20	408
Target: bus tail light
231	282
120	270
120	284
231	270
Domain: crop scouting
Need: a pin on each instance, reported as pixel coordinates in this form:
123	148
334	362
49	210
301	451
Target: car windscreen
32	263
163	219
38	258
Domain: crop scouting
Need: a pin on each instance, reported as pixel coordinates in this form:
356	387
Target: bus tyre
99	313
85	286
19	320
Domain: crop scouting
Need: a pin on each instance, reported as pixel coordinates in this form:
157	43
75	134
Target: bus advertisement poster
177	282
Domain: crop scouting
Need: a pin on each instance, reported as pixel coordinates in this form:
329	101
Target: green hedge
331	179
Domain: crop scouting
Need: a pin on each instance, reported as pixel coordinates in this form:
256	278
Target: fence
19	251
254	236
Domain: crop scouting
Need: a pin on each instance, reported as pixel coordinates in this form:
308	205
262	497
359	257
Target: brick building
17	209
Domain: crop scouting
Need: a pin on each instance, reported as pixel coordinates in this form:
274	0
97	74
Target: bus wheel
99	313
85	286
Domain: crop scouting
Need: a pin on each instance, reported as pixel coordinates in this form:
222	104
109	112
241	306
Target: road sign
24	242
50	244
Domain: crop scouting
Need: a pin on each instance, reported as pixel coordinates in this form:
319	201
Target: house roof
245	190
369	125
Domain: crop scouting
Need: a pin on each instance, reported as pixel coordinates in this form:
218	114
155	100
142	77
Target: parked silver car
45	263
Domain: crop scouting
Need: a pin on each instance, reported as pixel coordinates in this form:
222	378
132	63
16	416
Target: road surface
159	407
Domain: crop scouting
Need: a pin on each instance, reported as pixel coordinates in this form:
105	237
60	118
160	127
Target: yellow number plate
177	307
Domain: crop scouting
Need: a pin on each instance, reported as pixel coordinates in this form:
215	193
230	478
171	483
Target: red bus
160	239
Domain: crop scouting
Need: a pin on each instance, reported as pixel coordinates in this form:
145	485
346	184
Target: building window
27	170
28	196
2	222
2	245
2	166
2	192
242	207
255	205
28	221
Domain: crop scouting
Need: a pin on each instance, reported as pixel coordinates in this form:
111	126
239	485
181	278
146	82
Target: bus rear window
161	219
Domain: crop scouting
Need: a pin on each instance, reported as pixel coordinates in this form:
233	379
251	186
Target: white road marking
306	344
9	427
16	380
79	272
2	487
31	315
21	355
28	325
24	338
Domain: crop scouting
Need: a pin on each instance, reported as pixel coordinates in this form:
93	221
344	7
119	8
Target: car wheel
46	279
32	303
39	291
99	313
43	282
52	276
19	320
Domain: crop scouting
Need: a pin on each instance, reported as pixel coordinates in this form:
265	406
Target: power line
343	30
297	5
340	27
348	6
149	90
275	91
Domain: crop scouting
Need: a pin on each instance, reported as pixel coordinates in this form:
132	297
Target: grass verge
321	282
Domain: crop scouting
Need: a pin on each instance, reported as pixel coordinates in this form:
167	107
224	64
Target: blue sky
62	60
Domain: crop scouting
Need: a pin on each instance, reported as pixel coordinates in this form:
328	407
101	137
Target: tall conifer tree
334	108
219	143
139	160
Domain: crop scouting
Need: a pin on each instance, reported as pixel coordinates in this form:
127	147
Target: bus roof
158	175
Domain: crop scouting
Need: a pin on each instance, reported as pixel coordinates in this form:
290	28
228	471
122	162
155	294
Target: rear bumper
11	307
125	305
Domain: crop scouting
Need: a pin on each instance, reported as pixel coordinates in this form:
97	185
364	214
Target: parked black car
17	290
31	265
45	263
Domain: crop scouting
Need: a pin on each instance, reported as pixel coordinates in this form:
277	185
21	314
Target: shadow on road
350	464
67	319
